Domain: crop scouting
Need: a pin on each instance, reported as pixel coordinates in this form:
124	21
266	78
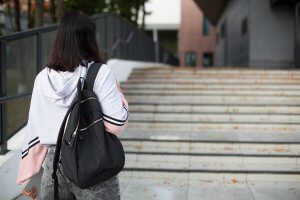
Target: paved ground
198	186
212	134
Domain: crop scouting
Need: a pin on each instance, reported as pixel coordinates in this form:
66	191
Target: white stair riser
220	71
207	75
161	91
240	100
215	81
216	109
202	177
229	118
216	148
176	86
211	126
212	162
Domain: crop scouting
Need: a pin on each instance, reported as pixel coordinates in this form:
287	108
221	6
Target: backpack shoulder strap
57	152
92	74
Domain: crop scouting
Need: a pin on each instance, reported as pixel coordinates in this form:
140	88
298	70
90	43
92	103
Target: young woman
75	49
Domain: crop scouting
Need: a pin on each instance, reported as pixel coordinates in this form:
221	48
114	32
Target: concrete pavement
212	134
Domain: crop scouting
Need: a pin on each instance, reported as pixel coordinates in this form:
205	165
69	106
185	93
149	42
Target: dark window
245	26
190	58
206	26
208	59
223	29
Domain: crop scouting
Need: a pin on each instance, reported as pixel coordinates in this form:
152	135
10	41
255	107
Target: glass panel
206	26
100	32
207	59
47	44
110	34
244	26
190	58
223	29
17	113
21	65
101	36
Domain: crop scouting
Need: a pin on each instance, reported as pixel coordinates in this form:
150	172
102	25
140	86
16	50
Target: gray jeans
107	190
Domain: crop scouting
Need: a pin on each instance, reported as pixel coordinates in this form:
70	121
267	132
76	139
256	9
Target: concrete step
212	149
210	75
213	81
195	77
219	109
155	126
202	178
180	86
254	72
236	136
213	100
215	118
195	186
200	92
240	164
211	124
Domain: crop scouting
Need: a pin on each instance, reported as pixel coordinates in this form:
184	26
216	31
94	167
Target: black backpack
88	154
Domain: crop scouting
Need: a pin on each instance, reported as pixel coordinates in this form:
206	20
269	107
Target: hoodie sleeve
33	152
113	103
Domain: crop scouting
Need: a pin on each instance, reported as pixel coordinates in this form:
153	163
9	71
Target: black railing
25	53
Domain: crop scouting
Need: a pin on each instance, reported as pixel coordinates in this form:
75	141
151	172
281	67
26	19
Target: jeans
107	190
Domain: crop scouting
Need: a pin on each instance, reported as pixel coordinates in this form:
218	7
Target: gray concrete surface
212	134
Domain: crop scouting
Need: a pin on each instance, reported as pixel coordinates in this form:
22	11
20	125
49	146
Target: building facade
255	33
197	37
163	23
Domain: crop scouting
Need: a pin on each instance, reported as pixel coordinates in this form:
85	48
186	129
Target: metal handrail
14	97
114	47
18	96
29	32
118	42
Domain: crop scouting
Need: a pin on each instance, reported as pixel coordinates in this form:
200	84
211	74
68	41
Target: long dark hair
75	43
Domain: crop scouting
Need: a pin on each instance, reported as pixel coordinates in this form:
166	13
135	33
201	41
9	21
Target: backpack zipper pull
72	137
74	134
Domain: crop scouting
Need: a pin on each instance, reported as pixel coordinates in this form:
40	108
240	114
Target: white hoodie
53	92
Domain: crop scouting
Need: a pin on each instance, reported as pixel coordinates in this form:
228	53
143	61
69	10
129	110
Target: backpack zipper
90	98
94	122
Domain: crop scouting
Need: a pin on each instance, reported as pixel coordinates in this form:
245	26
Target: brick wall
191	36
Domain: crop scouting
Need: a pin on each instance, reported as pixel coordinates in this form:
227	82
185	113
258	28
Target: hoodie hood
61	87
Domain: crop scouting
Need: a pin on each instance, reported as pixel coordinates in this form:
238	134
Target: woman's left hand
31	194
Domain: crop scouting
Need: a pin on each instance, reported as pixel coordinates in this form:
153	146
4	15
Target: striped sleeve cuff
114	121
32	143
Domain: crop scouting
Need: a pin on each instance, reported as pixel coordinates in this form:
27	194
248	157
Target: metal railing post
3	106
105	37
38	52
297	31
156	47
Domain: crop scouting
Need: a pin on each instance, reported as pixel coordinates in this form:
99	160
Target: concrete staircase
233	124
